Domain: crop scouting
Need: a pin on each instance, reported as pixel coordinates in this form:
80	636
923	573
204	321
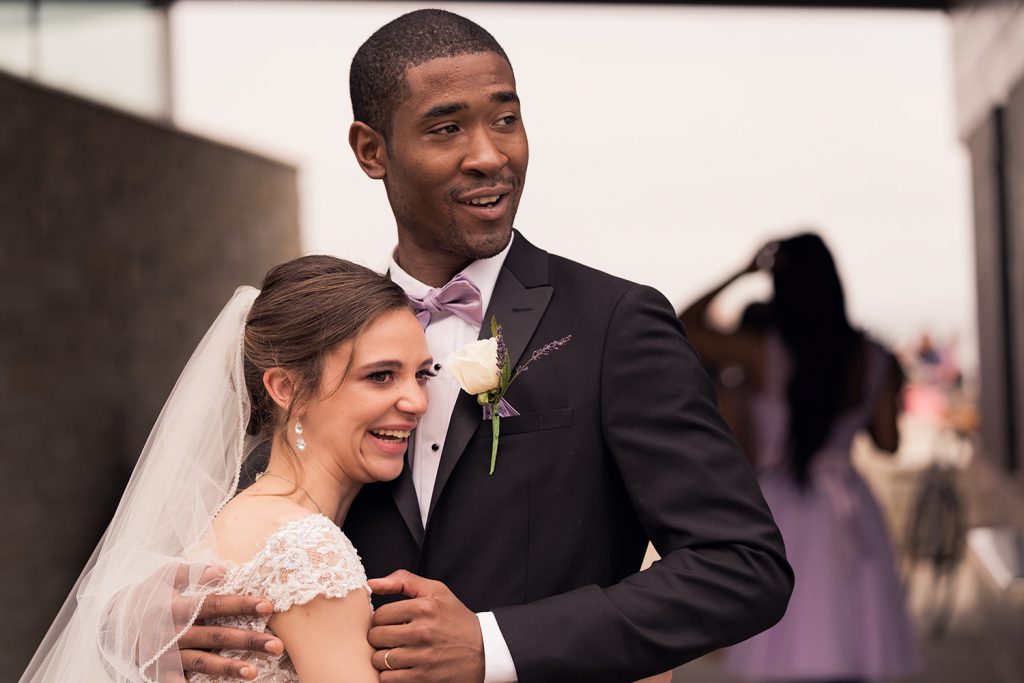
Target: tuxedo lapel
404	494
521	296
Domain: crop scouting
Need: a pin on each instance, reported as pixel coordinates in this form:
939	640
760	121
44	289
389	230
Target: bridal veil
117	624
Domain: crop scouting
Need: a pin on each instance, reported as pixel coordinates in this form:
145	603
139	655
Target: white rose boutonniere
474	368
482	369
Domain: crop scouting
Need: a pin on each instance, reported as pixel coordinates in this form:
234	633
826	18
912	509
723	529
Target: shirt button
434	447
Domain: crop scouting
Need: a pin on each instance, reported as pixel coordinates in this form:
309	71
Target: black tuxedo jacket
619	441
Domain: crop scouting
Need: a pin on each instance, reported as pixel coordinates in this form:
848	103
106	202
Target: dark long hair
810	312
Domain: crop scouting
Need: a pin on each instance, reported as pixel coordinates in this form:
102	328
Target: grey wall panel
992	303
988	49
120	240
1013	168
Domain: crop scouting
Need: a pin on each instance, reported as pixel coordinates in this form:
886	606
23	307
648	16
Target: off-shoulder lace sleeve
306	558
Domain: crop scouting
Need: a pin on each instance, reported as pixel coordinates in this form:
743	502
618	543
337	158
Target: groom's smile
488	203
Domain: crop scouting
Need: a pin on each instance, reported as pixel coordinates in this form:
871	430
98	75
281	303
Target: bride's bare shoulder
247	521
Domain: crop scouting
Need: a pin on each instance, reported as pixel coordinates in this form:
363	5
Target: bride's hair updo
305	309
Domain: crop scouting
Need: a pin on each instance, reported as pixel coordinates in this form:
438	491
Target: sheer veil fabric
117	624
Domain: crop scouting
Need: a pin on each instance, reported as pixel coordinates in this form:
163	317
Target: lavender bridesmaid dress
846	618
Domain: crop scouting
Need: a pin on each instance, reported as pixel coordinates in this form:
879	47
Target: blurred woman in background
814	382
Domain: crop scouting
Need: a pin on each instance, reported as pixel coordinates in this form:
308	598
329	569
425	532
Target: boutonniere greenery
482	368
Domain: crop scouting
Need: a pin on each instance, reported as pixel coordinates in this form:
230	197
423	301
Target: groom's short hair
376	78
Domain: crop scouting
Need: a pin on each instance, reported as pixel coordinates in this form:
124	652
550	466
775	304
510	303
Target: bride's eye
425	375
381	376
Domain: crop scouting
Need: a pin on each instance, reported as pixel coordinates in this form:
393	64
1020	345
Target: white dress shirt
444	335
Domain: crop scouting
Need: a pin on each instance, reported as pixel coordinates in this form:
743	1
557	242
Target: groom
531	573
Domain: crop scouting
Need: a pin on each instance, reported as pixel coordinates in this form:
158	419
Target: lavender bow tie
460	297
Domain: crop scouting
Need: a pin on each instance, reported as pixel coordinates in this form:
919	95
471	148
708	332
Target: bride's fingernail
248	672
264	608
274	647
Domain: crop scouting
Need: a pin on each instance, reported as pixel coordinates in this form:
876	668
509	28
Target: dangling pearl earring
300	443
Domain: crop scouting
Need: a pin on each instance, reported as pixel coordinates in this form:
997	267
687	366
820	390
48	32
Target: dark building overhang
943	5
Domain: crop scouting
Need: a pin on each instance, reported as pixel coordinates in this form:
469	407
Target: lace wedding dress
303	559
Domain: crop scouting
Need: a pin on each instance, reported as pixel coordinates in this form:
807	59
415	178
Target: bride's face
362	422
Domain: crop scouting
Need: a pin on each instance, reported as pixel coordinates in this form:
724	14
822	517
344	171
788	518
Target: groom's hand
197	640
193	645
430	637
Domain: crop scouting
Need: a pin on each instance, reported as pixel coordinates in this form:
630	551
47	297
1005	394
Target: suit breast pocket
558	418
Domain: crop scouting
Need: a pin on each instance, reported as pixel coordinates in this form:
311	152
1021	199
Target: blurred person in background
817	381
733	384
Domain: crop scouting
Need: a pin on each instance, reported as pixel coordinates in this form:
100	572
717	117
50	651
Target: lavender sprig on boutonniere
482	368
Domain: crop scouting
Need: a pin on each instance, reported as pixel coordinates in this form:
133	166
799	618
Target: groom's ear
370	149
278	383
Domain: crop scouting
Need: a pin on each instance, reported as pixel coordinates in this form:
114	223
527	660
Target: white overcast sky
667	143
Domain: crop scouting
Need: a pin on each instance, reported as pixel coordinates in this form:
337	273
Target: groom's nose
484	155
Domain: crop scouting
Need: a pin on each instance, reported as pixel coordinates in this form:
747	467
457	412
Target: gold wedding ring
386	662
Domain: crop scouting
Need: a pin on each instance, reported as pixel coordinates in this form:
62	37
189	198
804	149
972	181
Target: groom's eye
448	129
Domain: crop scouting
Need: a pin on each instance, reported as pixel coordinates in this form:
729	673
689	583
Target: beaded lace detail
304	558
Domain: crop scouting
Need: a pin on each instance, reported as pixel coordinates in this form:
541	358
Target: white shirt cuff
498	664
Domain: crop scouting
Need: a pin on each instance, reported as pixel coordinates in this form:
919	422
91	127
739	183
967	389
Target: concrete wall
1013	210
119	242
989	76
988	46
990	245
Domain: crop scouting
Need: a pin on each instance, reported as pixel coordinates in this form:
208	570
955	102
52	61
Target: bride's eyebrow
378	365
381	365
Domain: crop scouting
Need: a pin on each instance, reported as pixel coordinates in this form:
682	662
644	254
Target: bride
328	364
